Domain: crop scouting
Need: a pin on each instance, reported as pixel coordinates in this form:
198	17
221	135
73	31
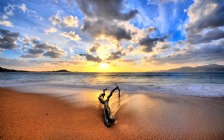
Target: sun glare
104	65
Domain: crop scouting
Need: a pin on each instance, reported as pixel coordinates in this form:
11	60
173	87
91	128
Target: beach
138	116
160	62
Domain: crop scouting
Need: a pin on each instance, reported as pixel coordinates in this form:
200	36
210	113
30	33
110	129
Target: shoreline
138	116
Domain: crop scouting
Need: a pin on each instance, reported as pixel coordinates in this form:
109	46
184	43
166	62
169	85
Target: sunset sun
104	65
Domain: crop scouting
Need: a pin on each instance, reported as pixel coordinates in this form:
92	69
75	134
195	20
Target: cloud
116	55
33	53
205	14
102	19
51	50
29	56
66	22
205	38
97	28
35	48
51	30
53	54
129	61
8	62
23	7
30	40
107	20
39	65
90	57
94	47
130	48
71	21
109	9
8	39
71	50
148	43
10	8
162	1
162	48
210	52
137	34
71	35
56	20
204	32
6	23
166	46
141	37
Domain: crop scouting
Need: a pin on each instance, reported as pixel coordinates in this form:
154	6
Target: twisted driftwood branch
108	117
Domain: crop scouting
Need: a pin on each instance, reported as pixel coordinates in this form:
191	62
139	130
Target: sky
110	35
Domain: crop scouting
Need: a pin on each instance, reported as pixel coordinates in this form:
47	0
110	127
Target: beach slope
151	116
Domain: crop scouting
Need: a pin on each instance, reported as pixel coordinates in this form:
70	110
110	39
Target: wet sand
139	116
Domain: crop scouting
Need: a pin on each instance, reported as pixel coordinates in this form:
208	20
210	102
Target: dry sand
139	116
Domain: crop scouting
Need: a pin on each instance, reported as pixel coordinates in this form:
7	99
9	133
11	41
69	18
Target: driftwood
108	117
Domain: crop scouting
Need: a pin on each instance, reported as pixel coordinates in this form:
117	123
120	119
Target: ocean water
208	84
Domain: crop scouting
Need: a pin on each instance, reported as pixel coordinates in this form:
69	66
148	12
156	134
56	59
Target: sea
205	84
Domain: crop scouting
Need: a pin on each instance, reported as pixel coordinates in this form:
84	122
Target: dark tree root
107	116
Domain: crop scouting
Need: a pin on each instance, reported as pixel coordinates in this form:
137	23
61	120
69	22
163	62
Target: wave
193	84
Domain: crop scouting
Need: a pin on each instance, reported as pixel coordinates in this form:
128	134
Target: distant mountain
205	68
60	71
12	70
